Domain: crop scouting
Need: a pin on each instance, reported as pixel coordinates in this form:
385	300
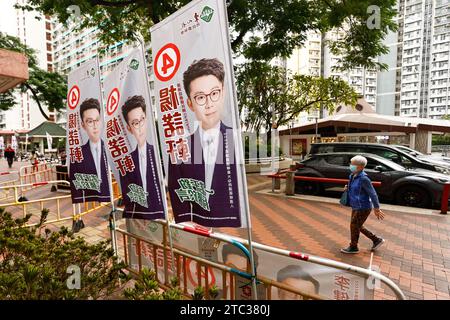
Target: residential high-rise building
425	73
363	80
36	34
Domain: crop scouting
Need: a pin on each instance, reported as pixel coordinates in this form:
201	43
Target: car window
337	160
349	148
406	161
325	149
372	163
387	154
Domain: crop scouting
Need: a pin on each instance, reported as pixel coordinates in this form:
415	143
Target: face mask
353	168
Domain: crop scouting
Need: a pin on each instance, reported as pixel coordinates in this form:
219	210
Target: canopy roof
52	128
363	118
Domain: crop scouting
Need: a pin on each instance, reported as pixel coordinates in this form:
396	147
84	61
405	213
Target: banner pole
239	148
157	151
112	217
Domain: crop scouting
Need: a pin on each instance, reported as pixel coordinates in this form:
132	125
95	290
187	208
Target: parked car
424	157
399	185
383	150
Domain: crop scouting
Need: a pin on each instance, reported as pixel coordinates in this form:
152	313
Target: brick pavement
416	255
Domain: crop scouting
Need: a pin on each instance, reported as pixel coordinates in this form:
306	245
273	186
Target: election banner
87	165
198	117
131	139
14	143
305	276
49	141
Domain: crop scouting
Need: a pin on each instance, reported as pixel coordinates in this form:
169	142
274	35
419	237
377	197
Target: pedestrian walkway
416	254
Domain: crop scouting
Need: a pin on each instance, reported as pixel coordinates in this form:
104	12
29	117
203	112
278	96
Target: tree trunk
37	101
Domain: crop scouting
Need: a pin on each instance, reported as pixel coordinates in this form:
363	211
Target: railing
52	203
182	261
243	244
277	177
36	173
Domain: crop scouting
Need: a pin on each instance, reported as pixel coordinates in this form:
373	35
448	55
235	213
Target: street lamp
315	113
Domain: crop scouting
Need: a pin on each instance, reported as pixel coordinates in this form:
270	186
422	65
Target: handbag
344	199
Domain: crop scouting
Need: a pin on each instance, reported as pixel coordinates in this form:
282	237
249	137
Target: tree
276	26
272	97
47	88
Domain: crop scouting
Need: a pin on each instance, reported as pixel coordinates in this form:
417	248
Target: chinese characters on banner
87	162
130	143
198	118
300	275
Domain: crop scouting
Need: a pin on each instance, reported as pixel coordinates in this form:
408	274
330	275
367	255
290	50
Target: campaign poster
131	144
198	117
87	165
304	276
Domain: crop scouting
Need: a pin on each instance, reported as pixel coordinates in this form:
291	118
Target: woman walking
362	197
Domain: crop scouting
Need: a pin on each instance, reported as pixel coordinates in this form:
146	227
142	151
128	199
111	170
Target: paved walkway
416	255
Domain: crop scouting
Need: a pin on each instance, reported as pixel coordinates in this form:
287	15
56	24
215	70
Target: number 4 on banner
167	63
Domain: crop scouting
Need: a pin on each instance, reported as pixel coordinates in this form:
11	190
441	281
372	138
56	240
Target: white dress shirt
210	144
96	150
142	152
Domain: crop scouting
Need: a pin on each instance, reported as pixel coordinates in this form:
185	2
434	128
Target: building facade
425	70
35	34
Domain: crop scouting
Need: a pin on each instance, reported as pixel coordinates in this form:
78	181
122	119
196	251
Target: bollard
444	200
276	184
290	183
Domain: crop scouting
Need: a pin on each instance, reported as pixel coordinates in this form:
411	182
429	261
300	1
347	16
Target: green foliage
146	287
441	140
272	97
213	292
34	262
277	26
47	88
199	293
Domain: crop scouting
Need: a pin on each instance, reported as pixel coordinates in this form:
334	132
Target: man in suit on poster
93	167
144	179
205	188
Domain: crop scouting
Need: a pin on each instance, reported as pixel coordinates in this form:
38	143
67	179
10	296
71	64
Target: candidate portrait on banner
89	174
140	187
204	189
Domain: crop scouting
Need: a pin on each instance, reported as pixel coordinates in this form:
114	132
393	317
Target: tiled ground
416	255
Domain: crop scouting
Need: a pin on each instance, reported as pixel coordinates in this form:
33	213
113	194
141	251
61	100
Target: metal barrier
42	203
52	202
204	263
182	260
36	173
444	198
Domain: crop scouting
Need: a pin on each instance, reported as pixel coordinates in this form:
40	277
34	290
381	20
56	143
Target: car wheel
412	196
308	188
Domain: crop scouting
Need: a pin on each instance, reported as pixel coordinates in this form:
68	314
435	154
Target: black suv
383	150
409	187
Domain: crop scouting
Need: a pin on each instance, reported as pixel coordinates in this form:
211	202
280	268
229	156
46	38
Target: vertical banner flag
14	143
2	143
49	141
87	165
198	117
130	141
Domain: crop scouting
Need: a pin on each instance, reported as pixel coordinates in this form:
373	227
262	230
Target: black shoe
350	250
378	243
